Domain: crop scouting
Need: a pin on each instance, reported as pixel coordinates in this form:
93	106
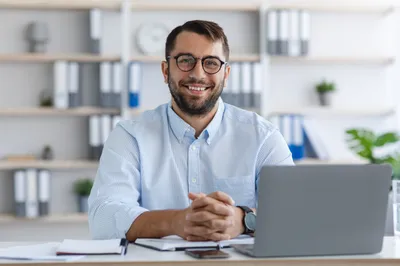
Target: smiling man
191	166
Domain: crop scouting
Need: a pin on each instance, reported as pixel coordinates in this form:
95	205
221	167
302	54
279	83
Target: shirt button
194	180
194	148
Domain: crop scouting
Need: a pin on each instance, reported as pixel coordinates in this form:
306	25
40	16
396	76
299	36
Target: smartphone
207	253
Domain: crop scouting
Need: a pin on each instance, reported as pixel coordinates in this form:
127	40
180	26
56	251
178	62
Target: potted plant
82	189
364	142
324	90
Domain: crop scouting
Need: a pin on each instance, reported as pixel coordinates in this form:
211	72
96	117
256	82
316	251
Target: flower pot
83	203
325	98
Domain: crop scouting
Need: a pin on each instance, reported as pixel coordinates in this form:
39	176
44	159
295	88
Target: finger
194	196
202	216
218	236
213	206
198	230
222	196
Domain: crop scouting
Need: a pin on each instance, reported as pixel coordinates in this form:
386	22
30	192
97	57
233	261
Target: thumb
193	196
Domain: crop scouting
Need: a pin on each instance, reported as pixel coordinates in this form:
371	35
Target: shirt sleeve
115	196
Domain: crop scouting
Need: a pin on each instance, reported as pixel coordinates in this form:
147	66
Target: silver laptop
320	210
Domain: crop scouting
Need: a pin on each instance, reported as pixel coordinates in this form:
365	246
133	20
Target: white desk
138	256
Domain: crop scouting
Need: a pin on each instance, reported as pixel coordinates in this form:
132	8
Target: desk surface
137	256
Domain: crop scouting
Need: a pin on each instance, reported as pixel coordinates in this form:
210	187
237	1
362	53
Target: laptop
320	210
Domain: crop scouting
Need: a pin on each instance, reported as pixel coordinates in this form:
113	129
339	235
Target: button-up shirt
152	162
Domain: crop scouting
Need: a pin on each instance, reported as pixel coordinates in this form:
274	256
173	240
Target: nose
198	71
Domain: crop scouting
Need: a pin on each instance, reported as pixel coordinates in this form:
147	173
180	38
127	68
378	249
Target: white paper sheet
36	252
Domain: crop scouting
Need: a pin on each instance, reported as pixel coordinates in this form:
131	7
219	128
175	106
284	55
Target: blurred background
326	72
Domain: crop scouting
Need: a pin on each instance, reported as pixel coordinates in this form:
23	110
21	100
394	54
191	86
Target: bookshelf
49	58
329	111
51	219
332	60
54	112
233	58
253	8
61	4
50	165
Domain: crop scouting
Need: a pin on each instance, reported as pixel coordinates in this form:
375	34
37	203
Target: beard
194	105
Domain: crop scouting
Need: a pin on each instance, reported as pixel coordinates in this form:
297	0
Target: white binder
105	84
60	69
294	33
44	191
305	31
246	85
95	137
73	84
283	33
117	85
20	193
272	35
95	30
106	125
235	88
32	203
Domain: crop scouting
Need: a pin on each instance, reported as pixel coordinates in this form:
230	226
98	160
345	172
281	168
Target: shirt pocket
240	188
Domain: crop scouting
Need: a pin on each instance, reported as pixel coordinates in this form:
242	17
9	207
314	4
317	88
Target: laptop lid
308	210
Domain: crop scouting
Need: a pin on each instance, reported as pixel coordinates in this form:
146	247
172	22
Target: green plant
46	102
364	142
83	187
325	86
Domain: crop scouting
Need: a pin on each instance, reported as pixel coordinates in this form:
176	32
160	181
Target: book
176	243
93	247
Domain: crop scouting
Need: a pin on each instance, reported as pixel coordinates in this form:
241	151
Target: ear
226	74
164	69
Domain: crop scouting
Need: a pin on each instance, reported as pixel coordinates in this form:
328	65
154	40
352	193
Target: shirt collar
180	127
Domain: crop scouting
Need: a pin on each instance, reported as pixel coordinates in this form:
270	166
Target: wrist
239	220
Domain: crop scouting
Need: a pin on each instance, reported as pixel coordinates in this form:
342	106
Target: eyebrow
214	56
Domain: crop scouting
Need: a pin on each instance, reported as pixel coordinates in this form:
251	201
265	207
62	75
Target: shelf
159	59
50	165
329	111
378	60
336	6
49	111
71	218
195	6
60	4
49	58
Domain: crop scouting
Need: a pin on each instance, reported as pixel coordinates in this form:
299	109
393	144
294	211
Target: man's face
195	92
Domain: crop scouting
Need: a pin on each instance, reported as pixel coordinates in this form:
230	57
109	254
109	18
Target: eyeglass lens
187	62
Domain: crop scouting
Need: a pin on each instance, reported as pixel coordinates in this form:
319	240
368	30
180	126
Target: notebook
176	243
93	247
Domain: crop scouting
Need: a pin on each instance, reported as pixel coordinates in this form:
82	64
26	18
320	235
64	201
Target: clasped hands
212	217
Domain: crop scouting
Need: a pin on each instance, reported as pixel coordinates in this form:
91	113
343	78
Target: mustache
197	81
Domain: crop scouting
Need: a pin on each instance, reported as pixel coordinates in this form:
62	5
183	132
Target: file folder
117	85
44	191
20	193
73	85
135	83
95	137
105	84
95	30
246	85
283	33
305	31
272	35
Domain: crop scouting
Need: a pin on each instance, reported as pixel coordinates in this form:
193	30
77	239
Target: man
184	168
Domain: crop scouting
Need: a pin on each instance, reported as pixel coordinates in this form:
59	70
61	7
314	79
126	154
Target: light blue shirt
154	161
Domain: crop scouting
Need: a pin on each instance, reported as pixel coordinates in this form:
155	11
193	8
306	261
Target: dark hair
206	28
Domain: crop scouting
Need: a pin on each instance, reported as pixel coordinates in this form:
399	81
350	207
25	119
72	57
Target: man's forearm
156	224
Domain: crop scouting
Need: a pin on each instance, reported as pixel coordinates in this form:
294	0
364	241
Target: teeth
197	88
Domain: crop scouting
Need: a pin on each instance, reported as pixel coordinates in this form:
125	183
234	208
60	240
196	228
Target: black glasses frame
202	62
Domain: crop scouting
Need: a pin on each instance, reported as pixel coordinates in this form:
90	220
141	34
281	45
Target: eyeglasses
187	62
